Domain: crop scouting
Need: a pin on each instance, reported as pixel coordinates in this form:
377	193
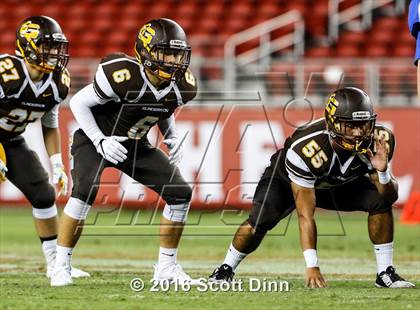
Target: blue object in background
414	26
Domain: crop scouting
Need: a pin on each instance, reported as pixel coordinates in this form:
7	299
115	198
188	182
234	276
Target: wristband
311	258
384	176
56	160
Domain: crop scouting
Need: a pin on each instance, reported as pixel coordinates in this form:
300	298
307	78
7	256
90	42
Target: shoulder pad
12	74
315	151
117	75
188	86
63	82
388	136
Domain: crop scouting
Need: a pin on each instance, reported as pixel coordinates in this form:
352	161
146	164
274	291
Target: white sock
63	258
49	250
233	257
383	254
167	256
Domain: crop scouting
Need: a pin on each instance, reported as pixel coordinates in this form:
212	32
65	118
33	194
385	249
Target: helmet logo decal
146	35
331	107
29	30
361	115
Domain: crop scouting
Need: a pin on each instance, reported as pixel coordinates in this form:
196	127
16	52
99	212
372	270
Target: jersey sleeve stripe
1	93
99	92
303	175
102	86
302	182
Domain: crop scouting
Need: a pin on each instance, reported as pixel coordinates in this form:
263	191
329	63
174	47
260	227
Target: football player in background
32	85
129	96
414	26
340	162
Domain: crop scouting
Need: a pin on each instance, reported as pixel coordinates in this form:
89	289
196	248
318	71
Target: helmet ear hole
32	56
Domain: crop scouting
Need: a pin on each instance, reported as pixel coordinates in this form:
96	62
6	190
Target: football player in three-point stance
115	112
32	85
340	162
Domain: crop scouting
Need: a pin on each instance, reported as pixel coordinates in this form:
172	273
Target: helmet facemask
351	135
167	62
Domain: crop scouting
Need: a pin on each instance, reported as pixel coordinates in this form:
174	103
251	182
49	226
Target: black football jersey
22	101
309	160
130	104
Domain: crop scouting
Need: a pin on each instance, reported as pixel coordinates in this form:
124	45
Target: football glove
3	162
175	149
59	176
111	149
3	170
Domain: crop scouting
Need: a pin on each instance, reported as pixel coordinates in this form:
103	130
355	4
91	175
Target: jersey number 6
142	127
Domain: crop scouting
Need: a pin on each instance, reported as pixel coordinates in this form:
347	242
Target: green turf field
119	246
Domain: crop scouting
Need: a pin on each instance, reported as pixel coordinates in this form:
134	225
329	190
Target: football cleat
78	273
390	279
61	277
224	273
74	272
172	273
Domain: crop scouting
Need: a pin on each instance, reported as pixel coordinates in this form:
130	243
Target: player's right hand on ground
112	150
3	170
314	278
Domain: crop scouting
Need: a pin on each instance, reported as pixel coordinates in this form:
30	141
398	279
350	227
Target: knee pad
176	213
379	206
177	195
84	187
262	224
77	209
45	213
43	197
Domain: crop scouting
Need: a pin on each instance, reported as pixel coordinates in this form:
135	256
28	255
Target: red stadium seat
380	37
214	9
347	51
352	37
210	25
402	51
318	52
376	51
241	10
386	23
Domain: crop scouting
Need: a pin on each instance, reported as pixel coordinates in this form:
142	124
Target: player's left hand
314	278
379	160
60	179
175	149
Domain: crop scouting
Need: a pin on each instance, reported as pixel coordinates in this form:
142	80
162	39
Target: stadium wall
226	150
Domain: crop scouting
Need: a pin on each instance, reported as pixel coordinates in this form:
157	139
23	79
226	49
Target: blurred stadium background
255	61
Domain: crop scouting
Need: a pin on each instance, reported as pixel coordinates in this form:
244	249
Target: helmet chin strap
34	71
356	147
154	77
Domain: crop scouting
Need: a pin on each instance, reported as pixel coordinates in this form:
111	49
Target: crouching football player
32	85
340	162
128	97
